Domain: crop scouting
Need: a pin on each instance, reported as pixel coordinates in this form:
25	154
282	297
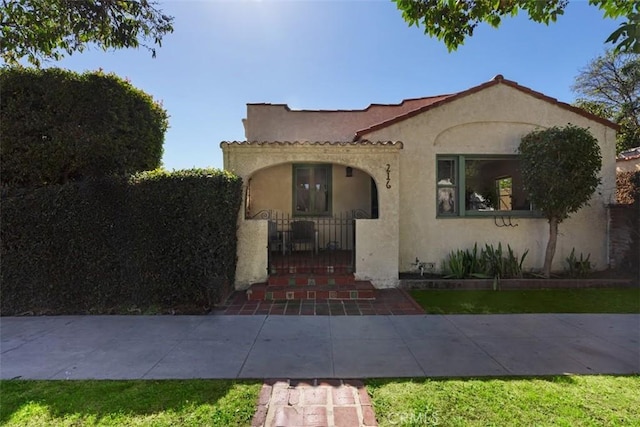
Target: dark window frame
312	168
459	183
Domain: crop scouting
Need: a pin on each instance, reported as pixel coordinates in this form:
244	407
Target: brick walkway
387	302
309	403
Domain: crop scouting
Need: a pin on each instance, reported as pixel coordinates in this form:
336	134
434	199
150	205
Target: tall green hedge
59	125
165	239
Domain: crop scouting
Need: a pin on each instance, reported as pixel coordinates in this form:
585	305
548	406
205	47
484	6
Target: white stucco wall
271	189
351	192
491	121
376	247
251	266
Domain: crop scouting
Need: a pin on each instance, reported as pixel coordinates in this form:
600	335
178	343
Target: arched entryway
364	184
311	209
311	189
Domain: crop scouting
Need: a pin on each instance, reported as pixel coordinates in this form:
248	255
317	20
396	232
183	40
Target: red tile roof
436	101
631	154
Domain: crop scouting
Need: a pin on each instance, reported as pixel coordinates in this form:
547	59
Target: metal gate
311	244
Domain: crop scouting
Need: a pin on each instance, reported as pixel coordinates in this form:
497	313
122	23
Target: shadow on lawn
102	399
557	379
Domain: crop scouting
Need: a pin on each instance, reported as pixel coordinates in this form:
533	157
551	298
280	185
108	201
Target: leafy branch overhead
50	29
452	21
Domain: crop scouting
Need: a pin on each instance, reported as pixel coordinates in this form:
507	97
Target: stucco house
387	188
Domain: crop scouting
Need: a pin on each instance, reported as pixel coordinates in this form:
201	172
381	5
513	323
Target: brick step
310	279
361	290
310	269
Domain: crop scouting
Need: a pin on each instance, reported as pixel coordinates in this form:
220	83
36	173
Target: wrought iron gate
318	244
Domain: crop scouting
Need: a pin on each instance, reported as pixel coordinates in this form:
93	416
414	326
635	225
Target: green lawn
130	403
542	401
530	301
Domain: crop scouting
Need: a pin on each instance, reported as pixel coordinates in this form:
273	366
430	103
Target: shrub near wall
163	239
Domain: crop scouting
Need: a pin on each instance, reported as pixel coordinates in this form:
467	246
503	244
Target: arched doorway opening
311	209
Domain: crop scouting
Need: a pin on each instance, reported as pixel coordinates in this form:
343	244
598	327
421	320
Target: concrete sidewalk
135	347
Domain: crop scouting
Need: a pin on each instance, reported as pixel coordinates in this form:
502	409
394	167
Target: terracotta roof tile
631	154
499	79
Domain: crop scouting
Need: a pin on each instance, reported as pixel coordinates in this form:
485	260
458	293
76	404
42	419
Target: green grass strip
130	403
529	301
541	401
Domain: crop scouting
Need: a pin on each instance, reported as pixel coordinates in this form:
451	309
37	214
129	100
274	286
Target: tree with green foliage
59	126
454	20
610	87
49	29
560	171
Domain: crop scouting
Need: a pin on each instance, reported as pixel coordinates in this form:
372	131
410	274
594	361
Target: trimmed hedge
159	239
58	126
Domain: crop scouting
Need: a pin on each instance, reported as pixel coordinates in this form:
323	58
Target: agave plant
490	262
578	267
462	264
455	265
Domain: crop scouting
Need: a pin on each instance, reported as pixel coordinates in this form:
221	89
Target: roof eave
363	142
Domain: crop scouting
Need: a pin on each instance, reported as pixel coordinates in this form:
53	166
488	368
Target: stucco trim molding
364	142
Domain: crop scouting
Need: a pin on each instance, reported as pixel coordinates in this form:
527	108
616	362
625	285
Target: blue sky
329	55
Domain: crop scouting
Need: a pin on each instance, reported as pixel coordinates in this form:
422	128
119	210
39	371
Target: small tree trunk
551	247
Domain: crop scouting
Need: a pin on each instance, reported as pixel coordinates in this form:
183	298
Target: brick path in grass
306	403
